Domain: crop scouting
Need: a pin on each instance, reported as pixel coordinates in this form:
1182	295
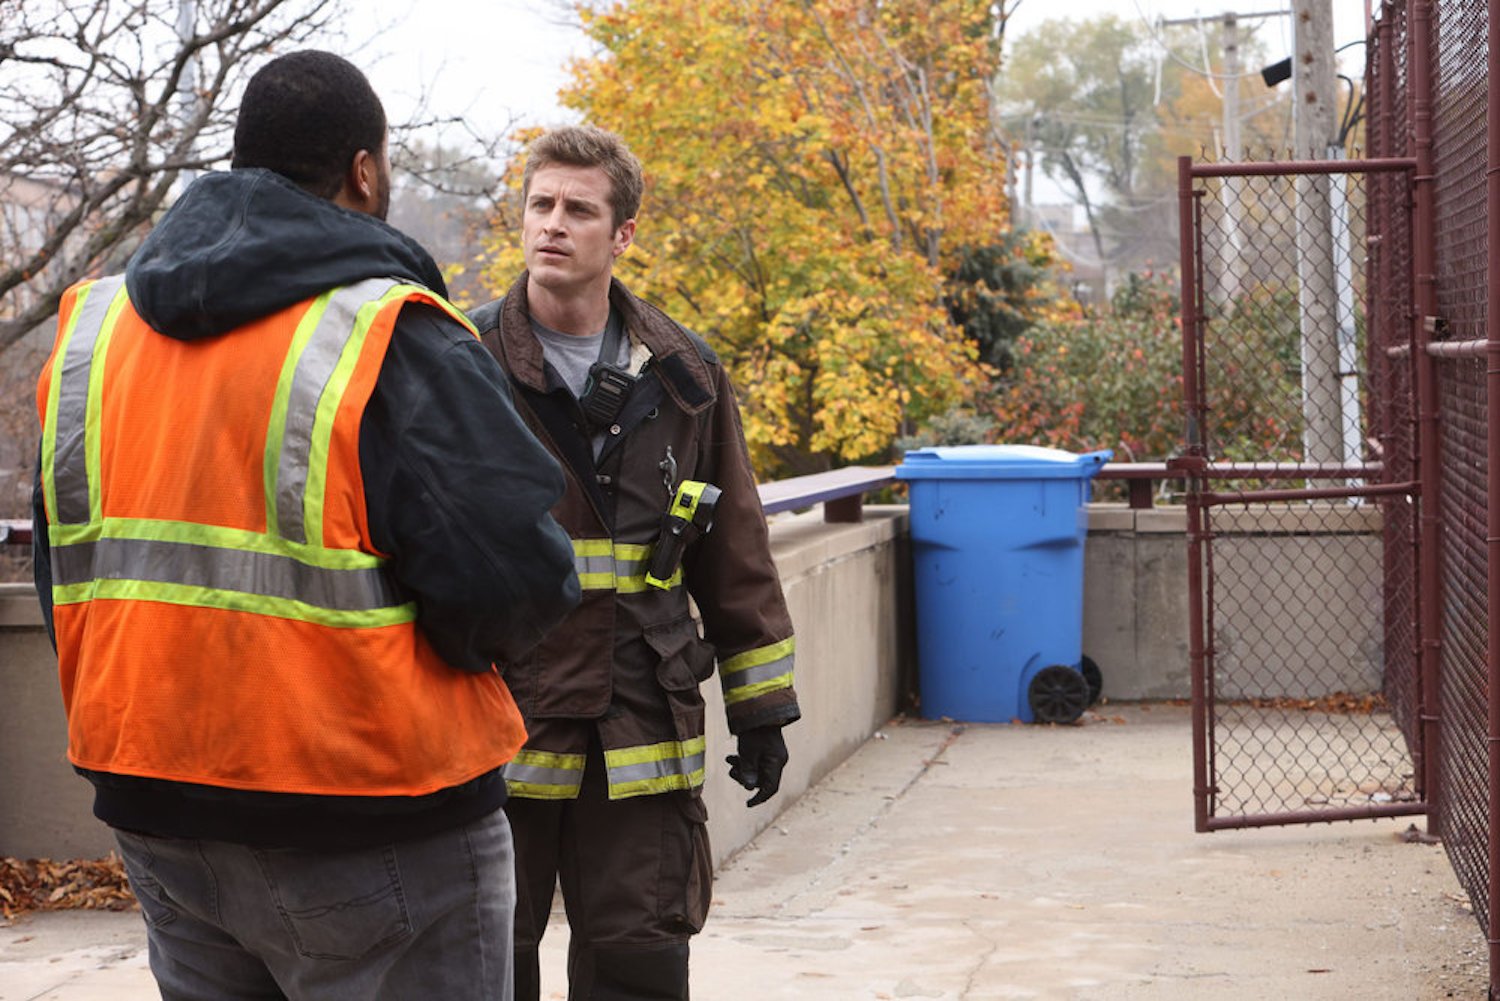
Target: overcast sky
492	61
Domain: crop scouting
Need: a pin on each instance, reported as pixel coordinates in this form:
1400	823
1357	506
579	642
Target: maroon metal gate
1303	500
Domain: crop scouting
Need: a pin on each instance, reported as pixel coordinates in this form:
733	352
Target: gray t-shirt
572	355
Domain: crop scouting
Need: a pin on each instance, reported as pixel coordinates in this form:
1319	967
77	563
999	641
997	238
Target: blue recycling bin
997	541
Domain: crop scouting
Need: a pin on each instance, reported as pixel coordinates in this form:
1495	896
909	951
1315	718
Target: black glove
760	761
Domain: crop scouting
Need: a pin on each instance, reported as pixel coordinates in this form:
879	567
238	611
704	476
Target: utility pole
1230	40
1314	97
1230	280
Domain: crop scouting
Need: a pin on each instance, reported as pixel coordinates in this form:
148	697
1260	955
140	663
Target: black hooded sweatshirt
457	489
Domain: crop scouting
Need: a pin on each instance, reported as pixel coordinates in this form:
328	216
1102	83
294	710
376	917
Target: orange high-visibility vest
222	616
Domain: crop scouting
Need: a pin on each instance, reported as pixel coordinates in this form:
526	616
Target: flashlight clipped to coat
689	515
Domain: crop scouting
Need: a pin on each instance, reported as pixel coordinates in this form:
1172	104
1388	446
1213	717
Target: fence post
1187	209
1428	460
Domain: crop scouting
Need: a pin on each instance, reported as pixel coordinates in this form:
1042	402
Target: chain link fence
1346	657
1460	241
1292	495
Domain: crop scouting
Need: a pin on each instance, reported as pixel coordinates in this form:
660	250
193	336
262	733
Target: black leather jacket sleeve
41	554
458	492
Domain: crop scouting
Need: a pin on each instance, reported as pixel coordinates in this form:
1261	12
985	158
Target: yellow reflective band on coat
655	768
606	565
544	775
594	561
758	671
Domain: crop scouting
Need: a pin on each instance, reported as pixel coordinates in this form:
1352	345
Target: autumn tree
815	170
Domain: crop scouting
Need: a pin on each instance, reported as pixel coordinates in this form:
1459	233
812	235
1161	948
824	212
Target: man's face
568	232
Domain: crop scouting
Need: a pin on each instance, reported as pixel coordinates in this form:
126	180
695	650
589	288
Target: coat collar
683	370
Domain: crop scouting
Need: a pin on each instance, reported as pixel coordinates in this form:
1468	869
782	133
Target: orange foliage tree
815	169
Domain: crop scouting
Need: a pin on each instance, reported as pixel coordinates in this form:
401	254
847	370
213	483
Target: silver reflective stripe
224	570
567	780
70	467
759	673
661	768
625	569
594	565
315	367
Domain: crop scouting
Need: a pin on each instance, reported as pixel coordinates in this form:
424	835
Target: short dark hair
589	146
305	115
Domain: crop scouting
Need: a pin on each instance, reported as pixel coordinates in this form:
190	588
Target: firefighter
661	504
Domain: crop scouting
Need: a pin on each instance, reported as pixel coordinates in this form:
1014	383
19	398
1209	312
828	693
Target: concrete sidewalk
1000	862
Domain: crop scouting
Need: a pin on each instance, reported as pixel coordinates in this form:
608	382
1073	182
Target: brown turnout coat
628	661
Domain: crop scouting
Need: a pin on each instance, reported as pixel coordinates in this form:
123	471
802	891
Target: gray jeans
428	918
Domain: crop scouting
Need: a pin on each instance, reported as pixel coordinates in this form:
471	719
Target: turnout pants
636	878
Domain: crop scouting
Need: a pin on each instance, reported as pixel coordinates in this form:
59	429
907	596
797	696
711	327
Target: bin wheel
1058	694
1094	677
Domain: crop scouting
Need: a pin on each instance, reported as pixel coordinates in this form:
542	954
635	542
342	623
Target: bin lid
999	462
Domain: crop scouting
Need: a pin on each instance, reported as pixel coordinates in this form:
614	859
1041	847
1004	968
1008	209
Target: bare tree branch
96	127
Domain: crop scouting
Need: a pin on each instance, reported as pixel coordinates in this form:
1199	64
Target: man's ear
624	236
361	187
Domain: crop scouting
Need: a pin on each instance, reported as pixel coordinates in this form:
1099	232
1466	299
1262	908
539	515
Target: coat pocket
685	660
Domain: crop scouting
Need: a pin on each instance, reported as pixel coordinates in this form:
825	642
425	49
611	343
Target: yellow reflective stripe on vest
70	441
210	535
544	775
184	564
755	672
283	575
655	768
322	357
606	565
215	568
232	601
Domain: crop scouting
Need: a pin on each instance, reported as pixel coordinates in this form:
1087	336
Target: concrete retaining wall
1296	584
849	587
846	585
46	810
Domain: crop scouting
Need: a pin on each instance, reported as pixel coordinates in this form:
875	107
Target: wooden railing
840	491
1140	480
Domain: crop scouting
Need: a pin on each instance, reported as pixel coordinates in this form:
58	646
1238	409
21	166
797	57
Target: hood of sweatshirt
242	244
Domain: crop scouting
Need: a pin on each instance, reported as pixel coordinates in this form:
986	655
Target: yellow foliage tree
814	170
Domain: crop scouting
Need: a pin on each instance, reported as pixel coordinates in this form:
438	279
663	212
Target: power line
1206	73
